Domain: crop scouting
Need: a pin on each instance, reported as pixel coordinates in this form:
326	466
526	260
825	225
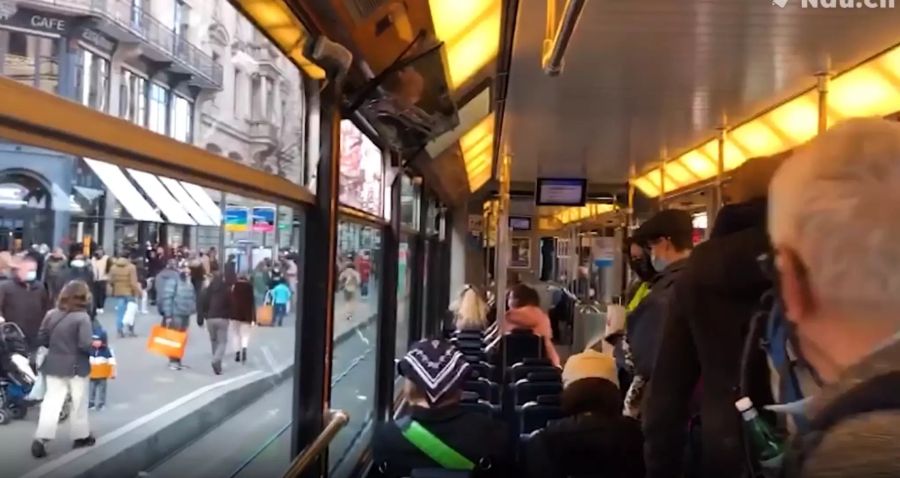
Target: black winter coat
715	298
473	435
587	445
215	300
243	307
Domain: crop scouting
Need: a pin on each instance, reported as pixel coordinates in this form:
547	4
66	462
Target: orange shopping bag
167	342
264	315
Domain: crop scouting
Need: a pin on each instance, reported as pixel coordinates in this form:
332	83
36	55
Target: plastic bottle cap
743	404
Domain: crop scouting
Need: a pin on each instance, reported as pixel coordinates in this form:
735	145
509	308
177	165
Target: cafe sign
32	20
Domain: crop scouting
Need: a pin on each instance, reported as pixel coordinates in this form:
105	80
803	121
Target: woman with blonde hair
471	311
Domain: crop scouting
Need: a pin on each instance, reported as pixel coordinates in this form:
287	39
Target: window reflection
355	325
362	170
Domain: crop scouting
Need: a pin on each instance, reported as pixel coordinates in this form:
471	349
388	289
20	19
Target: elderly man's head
834	225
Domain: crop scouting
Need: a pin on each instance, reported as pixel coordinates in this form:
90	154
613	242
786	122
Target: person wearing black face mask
640	264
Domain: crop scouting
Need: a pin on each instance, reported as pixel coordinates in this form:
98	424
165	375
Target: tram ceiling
643	79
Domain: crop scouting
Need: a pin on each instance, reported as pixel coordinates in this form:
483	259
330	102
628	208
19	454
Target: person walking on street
243	316
349	281
56	272
281	302
215	312
103	367
124	288
260	279
23	300
177	301
67	333
100	264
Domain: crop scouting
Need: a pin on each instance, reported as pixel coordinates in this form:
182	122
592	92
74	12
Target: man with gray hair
836	236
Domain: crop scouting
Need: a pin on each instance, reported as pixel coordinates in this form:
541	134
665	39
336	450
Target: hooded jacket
123	279
706	326
175	295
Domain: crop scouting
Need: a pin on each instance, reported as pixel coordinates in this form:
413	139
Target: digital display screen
519	223
561	192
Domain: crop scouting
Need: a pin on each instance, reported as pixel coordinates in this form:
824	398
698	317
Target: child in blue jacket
281	299
103	367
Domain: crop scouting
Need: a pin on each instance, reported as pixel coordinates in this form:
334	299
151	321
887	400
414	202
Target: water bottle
768	448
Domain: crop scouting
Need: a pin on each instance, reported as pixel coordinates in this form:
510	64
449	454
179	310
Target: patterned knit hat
436	367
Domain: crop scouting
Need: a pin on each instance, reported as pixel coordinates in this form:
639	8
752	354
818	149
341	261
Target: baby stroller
17	377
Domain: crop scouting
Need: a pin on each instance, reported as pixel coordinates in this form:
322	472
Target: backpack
877	394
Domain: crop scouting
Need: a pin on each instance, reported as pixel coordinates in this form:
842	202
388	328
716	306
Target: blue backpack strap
870	396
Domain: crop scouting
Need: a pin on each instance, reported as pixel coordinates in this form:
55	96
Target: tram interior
374	158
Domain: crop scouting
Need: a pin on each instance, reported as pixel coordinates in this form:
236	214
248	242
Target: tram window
356	306
404	289
84	206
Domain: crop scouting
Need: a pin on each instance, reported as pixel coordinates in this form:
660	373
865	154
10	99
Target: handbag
39	388
131	311
167	342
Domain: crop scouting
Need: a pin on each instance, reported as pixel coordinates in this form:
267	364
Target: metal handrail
337	419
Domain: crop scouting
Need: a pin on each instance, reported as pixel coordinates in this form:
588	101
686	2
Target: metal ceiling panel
645	77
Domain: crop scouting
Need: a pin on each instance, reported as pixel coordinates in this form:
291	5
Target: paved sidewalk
145	384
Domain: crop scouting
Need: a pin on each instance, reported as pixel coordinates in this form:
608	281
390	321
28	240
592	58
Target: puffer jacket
123	279
533	319
176	297
861	445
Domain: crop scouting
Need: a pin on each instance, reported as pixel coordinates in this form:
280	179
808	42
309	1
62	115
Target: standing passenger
669	237
243	316
215	311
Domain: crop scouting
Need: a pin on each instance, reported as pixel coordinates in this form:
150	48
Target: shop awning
209	206
116	182
188	202
164	201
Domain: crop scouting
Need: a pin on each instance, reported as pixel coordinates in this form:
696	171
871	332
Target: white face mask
659	264
77	263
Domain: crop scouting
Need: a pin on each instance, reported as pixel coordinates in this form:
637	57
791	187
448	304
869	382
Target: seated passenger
524	312
835	231
594	440
438	433
471	312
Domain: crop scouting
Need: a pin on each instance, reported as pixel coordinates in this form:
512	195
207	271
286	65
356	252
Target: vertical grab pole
502	245
662	182
719	199
315	330
822	80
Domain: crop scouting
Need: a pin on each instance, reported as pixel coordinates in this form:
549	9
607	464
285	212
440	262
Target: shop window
17	44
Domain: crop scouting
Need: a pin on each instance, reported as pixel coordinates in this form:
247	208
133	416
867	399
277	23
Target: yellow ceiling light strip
283	27
870	89
477	146
470	30
575	214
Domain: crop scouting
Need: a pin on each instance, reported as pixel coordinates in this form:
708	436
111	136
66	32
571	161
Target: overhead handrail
336	420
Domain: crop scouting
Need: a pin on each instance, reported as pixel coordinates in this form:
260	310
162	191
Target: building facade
196	71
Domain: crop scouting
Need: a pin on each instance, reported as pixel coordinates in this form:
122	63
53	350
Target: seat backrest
480	386
525	391
480	406
534	415
481	370
520	345
519	371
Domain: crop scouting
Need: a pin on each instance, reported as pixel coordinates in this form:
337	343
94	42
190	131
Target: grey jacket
175	295
67	336
865	445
